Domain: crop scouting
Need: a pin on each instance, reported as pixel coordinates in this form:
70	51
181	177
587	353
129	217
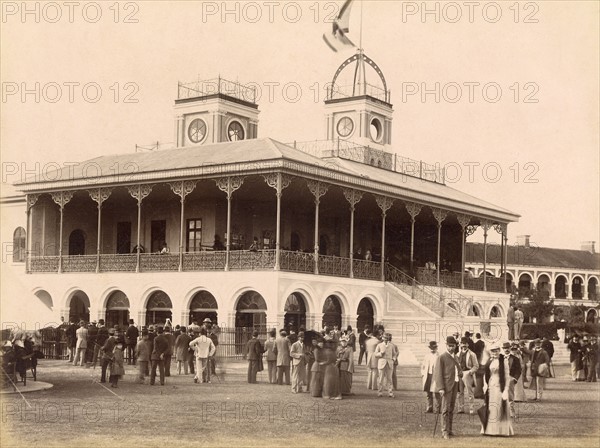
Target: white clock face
345	126
197	130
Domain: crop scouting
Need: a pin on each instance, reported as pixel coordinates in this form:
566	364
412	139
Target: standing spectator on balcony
164	249
519	318
358	255
218	244
283	358
510	321
271	350
254	246
368	256
81	345
131	337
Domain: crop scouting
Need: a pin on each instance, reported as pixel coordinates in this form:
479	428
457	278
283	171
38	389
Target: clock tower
359	111
214	111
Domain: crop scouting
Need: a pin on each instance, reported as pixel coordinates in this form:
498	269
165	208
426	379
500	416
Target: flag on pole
337	40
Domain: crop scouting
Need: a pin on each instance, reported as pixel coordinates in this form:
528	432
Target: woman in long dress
519	386
344	360
498	422
331	375
317	369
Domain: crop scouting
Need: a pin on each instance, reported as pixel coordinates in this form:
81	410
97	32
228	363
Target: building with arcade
253	232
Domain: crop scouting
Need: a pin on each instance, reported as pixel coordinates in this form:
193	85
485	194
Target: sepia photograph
306	223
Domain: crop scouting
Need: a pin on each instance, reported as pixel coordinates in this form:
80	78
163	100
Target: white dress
499	420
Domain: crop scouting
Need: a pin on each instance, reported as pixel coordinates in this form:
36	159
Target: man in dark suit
478	347
159	353
254	352
361	342
446	375
514	370
107	352
283	358
131	339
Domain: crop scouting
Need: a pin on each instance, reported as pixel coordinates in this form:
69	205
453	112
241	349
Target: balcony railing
246	260
367	270
204	261
453	280
43	264
118	262
337	266
297	261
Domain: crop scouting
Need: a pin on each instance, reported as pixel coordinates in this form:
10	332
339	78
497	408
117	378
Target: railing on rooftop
336	91
207	87
348	150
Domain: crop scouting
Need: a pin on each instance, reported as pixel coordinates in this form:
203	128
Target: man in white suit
298	364
469	366
386	354
81	346
427	377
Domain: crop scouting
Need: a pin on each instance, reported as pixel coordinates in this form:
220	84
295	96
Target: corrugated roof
157	165
539	256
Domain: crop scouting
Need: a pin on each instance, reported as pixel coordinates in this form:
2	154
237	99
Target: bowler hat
464	340
506	345
432	344
111	331
101	321
450	340
537	341
131	321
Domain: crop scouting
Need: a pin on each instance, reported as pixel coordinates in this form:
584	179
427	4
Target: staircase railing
443	302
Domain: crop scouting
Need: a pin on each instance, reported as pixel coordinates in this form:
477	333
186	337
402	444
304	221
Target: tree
539	306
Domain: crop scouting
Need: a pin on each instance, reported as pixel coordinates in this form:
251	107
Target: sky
503	94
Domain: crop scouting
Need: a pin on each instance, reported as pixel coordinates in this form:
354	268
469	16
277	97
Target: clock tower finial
360	111
214	111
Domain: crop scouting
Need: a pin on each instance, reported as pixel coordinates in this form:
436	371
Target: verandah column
30	199
99	195
61	198
413	210
485	225
505	237
279	182
384	204
318	189
182	189
139	192
501	229
464	221
439	215
353	197
229	185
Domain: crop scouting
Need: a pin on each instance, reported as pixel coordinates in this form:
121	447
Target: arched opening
560	288
45	298
524	285
79	307
77	242
365	314
251	311
495	312
592	316
117	309
332	312
251	314
509	281
203	305
19	245
592	288
474	311
576	288
543	285
158	308
295	312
